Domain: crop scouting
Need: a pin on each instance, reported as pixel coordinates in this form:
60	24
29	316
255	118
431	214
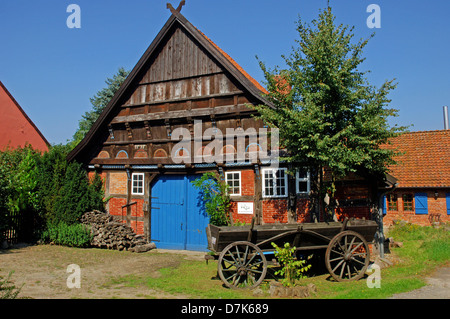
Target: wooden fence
21	227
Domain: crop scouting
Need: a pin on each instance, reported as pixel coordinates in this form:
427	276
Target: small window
408	202
233	180
302	182
137	184
274	182
392	202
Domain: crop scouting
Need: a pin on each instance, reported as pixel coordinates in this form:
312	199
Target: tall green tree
327	112
99	102
77	196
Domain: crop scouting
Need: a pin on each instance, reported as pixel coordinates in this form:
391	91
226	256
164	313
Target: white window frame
275	184
133	180
304	179
240	181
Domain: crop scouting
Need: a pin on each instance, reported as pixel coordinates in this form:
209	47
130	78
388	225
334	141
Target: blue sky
52	70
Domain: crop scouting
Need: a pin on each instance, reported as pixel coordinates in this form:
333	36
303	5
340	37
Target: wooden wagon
241	250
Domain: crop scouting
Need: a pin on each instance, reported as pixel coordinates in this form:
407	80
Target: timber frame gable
182	76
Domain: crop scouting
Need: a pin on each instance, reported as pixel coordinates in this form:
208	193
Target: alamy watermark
374	279
374	19
73	280
74	19
236	145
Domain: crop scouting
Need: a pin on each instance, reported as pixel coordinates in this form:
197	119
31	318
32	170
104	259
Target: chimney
445	117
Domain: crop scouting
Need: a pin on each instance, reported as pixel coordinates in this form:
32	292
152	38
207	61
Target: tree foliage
46	188
327	112
99	102
215	197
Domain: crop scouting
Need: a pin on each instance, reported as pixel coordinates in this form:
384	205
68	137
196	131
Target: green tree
76	196
327	113
52	169
99	102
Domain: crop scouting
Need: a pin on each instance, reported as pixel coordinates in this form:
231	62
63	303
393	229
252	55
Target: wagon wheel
347	256
242	265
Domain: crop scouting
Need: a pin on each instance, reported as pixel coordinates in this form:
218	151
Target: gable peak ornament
178	9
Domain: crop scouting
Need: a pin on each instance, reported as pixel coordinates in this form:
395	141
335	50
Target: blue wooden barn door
196	217
178	218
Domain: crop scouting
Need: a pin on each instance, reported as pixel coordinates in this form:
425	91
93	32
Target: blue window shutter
421	203
383	205
447	197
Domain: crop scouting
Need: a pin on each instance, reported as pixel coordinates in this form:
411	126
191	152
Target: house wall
437	206
16	129
270	210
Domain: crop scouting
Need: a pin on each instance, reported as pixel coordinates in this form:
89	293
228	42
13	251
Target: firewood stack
109	232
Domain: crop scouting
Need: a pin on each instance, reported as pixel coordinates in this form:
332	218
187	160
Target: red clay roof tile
426	159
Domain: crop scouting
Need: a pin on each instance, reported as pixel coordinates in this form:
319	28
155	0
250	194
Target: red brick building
423	176
16	128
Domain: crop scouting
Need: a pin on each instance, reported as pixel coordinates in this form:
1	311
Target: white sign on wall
245	208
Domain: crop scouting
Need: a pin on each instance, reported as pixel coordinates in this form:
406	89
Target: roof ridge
426	131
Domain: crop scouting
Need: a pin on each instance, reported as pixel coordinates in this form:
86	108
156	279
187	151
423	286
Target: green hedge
75	235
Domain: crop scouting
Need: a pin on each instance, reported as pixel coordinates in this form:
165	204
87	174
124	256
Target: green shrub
216	198
291	268
75	235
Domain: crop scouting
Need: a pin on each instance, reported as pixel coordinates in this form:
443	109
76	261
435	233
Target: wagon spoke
230	262
236	282
337	266
246	254
238	254
338	258
251	259
233	275
342	270
336	252
255	264
256	271
358	261
232	256
357	246
340	246
351	244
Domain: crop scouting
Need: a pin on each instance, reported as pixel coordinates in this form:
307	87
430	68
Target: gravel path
438	287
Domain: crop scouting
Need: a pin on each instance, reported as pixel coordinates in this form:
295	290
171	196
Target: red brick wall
248	182
274	211
435	206
115	208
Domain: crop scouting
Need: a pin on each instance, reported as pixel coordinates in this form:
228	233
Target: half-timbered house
186	109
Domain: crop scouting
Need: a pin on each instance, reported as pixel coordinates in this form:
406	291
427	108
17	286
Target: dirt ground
42	270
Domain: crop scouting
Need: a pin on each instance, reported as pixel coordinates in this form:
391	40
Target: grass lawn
424	249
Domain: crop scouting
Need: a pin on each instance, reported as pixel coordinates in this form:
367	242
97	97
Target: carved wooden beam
130	132
148	129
